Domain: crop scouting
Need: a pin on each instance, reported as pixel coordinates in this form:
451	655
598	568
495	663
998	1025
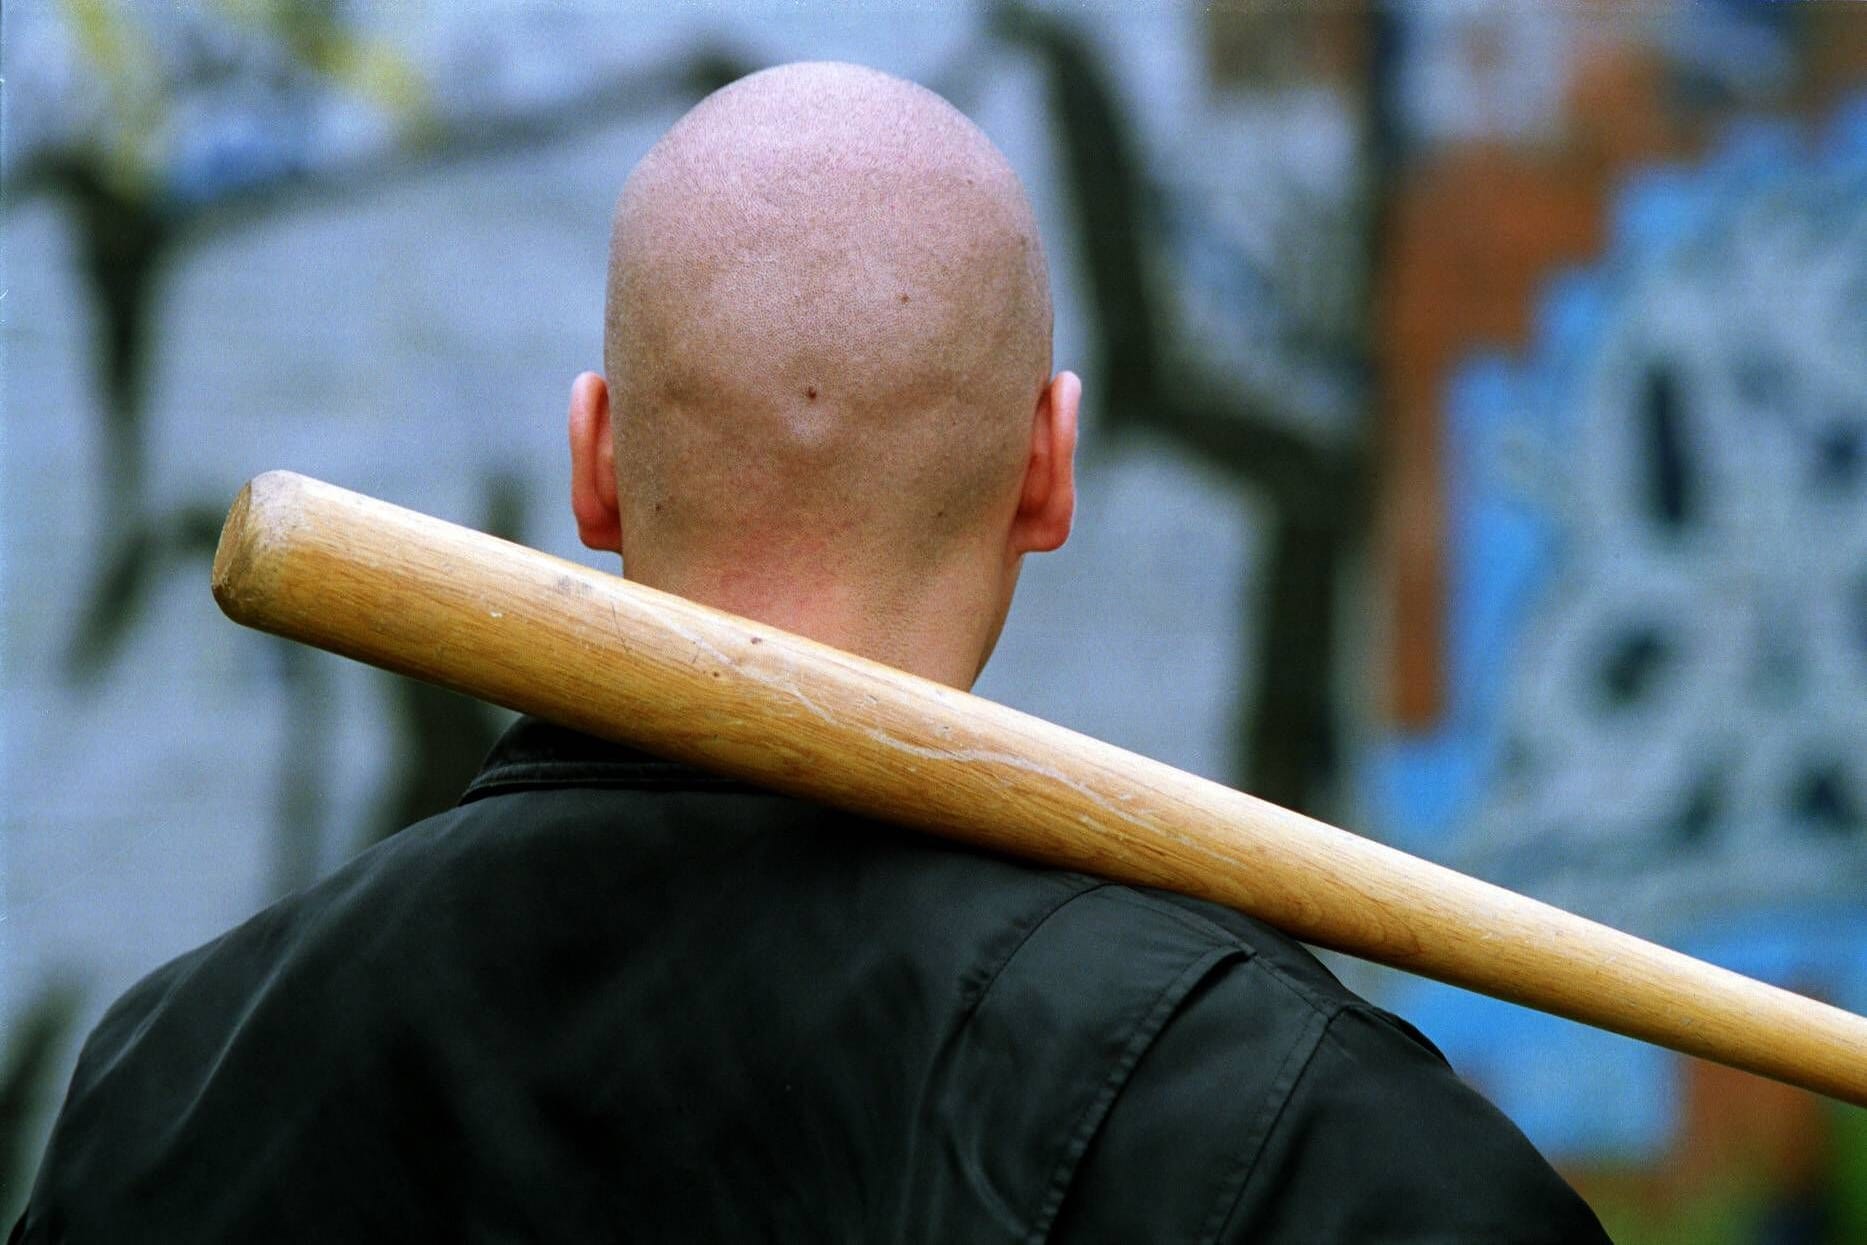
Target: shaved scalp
828	326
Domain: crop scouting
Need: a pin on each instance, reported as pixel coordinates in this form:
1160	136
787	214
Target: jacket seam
1226	1202
1322	1006
998	971
1095	1112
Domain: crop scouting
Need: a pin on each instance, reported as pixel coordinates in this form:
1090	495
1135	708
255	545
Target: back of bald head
828	325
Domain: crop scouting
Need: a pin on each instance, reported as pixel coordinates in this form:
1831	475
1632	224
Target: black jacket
612	998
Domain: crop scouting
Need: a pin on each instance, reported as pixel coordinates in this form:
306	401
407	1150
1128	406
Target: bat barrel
422	597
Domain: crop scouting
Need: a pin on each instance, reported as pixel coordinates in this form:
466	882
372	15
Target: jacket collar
534	754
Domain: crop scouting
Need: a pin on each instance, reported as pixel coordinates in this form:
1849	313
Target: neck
942	626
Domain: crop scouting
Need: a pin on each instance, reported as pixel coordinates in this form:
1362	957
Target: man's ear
1048	502
593	465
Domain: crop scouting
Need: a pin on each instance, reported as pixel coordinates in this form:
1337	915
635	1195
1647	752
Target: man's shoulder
1076	1043
1010	1038
1274	1104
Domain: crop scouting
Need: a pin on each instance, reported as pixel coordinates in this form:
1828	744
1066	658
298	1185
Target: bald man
613	998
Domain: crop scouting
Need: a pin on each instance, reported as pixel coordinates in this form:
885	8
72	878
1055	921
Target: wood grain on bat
545	636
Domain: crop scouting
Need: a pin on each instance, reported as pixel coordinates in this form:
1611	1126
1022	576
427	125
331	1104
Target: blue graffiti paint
1653	666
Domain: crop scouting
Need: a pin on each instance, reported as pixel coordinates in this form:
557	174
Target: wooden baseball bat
426	598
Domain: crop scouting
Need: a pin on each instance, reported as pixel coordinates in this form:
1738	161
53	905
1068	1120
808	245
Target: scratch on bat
700	642
786	682
1128	816
987	756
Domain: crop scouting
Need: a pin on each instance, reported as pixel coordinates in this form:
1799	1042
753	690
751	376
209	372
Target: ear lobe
593	465
1047	505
